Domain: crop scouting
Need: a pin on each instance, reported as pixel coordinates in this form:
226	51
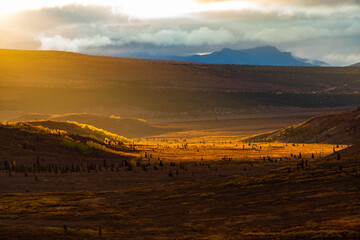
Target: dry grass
223	148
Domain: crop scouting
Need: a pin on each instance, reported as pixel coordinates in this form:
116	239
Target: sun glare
135	8
154	8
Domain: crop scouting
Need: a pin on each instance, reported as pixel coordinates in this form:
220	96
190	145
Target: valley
108	148
208	187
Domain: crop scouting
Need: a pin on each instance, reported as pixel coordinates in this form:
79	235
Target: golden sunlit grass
229	148
137	119
96	138
101	132
35	129
95	145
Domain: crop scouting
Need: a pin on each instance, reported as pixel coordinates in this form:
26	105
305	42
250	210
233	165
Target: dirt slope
337	128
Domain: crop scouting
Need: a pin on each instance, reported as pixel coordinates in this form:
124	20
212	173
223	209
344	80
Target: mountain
313	62
266	55
336	128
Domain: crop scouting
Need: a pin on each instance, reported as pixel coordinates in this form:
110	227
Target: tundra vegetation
73	186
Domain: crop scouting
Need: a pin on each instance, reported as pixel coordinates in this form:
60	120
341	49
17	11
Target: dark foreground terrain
290	191
223	201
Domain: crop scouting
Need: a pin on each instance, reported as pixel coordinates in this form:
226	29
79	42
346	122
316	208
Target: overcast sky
327	30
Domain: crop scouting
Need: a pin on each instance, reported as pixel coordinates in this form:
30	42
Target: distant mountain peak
227	50
263	55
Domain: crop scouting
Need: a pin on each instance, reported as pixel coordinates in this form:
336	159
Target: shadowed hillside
124	127
355	65
337	128
350	153
48	81
28	144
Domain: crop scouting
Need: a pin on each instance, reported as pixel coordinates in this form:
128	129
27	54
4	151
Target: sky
327	30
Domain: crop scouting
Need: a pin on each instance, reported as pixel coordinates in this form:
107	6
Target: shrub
95	145
103	134
76	146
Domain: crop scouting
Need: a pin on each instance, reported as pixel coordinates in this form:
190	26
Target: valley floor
276	195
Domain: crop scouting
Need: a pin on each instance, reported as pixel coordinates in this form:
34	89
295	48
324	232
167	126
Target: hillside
126	127
350	153
54	69
337	128
74	128
355	65
27	144
63	82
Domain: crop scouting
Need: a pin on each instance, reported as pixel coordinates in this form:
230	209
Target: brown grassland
188	172
48	81
180	188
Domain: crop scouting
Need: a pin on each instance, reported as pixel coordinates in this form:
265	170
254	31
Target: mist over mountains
267	55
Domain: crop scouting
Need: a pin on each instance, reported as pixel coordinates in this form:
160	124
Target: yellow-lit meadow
227	148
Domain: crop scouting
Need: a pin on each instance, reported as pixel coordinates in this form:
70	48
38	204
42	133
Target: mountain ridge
262	56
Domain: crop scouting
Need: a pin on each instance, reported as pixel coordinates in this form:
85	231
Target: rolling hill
130	128
351	152
74	128
337	128
28	144
63	82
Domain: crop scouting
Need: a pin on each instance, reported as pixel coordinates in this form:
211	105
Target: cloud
292	2
195	37
46	18
340	58
72	45
16	40
325	33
